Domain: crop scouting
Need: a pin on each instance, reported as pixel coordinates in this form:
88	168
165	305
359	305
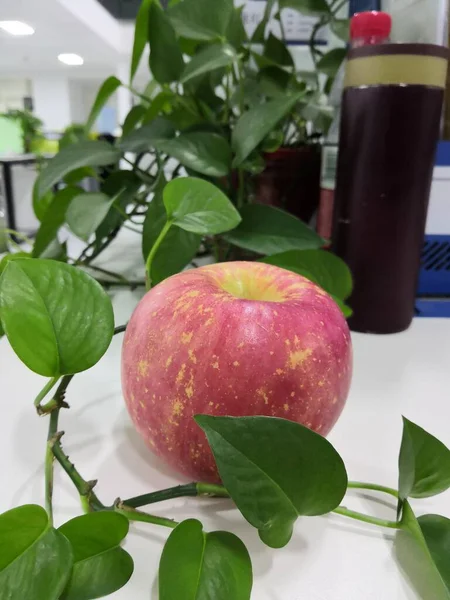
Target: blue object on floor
433	307
434	278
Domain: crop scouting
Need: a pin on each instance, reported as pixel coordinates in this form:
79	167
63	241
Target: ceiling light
74	60
16	28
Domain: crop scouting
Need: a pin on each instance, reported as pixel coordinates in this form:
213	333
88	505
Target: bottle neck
369	41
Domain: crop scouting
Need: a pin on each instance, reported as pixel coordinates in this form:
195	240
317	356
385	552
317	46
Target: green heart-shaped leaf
209	59
86	212
205	152
35	559
199	206
81	154
57	318
432	536
275	470
54	218
144	138
324	268
331	61
424	463
254	125
269	230
198	20
101	566
107	89
196	565
177	249
166	59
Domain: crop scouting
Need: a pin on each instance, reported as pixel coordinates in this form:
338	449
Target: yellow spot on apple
292	394
132	398
192	356
322	323
287	342
154	313
151	442
335	399
321	383
241	345
186	337
235	364
211	403
192	294
168	362
142	368
286	407
279	371
298	357
296	340
189	391
271	353
181	372
177	409
263	394
209	322
215	365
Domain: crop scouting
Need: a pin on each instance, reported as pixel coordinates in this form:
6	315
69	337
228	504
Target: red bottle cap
370	24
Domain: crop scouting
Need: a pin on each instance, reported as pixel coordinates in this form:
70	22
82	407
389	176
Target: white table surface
329	558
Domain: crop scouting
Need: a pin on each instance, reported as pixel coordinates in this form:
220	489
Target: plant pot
291	180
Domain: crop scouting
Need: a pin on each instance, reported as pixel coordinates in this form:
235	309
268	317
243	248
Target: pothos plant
216	102
60	321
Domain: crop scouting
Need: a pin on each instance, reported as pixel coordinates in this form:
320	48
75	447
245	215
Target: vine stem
352	514
212	490
45	390
153	251
136	515
358	485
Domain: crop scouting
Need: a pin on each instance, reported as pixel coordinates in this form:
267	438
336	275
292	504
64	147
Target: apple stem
341	510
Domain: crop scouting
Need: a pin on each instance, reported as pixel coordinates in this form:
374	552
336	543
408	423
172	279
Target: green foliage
268	230
436	532
209	59
276	51
331	61
133	118
206	565
275	470
53	219
424	463
197	20
178	247
204	152
35	559
58	320
144	138
254	125
198	206
100	565
324	268
81	154
107	89
86	212
307	7
166	59
341	29
140	36
431	533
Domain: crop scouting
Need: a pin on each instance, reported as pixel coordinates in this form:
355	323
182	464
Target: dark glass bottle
390	125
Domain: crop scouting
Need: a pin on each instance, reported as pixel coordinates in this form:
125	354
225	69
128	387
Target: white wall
51	96
12	93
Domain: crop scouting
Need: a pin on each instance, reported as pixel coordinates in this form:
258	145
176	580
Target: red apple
241	338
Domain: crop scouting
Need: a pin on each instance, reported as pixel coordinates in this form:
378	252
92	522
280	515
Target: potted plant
31	128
